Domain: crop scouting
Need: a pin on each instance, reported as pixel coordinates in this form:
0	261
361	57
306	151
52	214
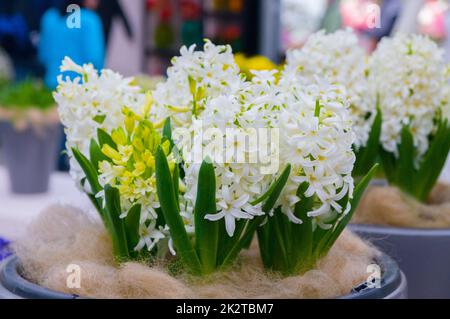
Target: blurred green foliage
24	95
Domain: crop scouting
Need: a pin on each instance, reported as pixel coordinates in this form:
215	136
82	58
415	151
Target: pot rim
400	231
13	281
391	280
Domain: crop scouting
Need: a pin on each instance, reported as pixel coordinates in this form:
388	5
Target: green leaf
367	156
167	134
88	169
302	234
357	195
252	224
279	185
167	129
322	236
96	154
97	204
105	138
276	223
247	243
132	227
206	231
266	195
266	247
176	184
99	118
117	227
226	243
433	161
275	254
388	163
405	167
160	221
167	199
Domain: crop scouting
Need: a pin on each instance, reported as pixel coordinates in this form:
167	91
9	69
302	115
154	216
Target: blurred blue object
5	249
14	26
16	41
85	44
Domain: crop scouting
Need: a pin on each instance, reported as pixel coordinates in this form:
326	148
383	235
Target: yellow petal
119	137
148	103
139	168
111	153
159	123
201	92
138	145
192	85
166	147
129	124
179	109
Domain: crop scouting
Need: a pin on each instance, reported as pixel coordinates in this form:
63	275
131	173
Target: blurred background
139	37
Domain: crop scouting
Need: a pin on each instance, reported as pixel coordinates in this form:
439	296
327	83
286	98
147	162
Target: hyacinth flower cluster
410	79
140	170
340	60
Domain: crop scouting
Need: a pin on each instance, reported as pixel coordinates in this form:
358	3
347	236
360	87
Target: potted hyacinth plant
411	217
173	197
30	135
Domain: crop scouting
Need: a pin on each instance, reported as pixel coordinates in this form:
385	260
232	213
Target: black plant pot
421	253
30	156
14	285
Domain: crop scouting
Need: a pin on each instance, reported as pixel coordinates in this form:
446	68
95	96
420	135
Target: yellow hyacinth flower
131	165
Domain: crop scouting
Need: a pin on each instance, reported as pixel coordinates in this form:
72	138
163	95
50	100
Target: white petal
140	245
320	211
171	249
237	213
215	217
293	218
230	224
241	201
226	194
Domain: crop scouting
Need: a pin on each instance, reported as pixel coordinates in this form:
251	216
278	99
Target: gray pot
422	254
30	156
380	182
14	285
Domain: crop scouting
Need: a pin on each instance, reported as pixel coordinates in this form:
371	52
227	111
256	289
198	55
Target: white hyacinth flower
408	74
339	59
